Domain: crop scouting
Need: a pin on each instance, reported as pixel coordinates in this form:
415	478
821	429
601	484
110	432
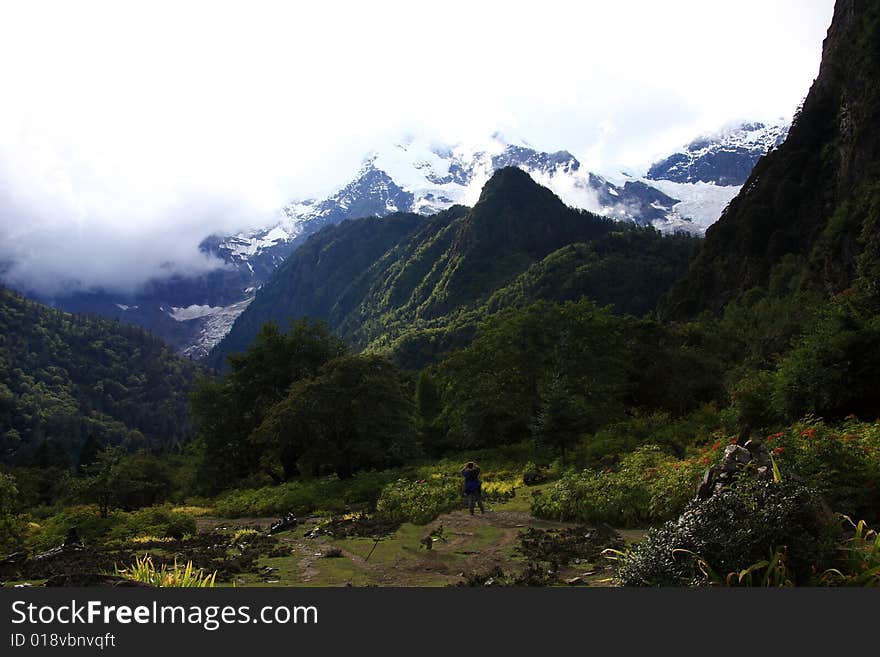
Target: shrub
594	497
842	463
419	501
155	521
674	487
269	500
499	491
731	531
87	519
648	487
305	496
117	527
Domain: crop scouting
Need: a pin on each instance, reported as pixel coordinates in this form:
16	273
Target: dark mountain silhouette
810	200
378	280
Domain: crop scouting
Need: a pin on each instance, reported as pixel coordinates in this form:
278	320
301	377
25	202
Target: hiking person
473	486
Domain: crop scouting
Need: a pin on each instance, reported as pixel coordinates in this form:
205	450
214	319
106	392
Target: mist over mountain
194	309
419	285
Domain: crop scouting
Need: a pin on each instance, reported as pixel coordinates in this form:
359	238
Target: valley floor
464	545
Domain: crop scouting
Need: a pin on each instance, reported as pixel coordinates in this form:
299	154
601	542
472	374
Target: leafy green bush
842	463
153	521
87	519
731	531
117	527
305	496
648	487
674	487
268	500
590	496
752	401
419	501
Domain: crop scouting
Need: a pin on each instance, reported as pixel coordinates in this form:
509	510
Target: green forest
646	409
67	379
618	415
417	288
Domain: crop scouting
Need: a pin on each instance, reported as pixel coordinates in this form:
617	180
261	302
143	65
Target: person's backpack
471	481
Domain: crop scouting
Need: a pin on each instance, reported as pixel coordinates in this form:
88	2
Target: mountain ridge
725	158
436	274
795	202
412	175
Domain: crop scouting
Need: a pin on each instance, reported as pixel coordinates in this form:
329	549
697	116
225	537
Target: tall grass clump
145	571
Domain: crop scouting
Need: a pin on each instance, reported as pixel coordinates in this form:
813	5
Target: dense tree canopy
65	377
356	413
227	410
573	361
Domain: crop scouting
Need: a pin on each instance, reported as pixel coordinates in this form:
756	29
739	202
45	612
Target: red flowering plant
842	462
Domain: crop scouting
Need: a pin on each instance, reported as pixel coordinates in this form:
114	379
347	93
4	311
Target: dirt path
464	544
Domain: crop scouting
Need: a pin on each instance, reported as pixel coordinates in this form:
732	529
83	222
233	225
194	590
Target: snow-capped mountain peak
725	158
686	191
424	177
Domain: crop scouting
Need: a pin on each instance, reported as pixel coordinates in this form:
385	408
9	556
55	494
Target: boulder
752	458
286	523
14	559
734	458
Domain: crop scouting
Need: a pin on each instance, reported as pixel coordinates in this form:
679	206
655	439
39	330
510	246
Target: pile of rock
288	522
751	459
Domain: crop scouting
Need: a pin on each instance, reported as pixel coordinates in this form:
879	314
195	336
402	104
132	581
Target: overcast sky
130	131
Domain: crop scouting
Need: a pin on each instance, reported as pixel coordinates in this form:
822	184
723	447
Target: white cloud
128	132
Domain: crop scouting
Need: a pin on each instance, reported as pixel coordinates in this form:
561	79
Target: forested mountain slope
66	377
812	202
379	281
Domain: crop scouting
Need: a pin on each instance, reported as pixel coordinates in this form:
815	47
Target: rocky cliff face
796	202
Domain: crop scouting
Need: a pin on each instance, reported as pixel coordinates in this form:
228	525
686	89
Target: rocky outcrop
750	460
288	522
